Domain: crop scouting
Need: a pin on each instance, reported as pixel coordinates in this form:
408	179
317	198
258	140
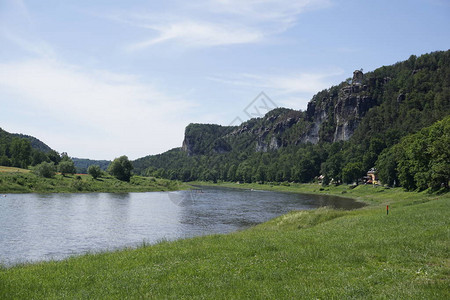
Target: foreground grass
14	180
319	254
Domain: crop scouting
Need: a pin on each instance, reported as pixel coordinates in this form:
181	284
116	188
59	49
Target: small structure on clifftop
358	76
356	85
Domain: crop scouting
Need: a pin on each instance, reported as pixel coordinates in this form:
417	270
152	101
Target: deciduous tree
121	168
94	171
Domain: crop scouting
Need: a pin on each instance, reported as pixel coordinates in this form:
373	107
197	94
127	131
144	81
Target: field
13	170
319	254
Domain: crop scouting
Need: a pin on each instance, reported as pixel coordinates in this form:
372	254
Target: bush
66	167
45	169
121	168
94	171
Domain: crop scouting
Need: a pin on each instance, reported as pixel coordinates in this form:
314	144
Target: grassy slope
322	254
13	180
13	170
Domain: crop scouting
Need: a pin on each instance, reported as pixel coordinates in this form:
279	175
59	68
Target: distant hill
15	152
19	150
339	136
35	142
82	164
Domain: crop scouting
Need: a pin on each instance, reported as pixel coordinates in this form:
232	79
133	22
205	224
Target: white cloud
199	34
124	115
218	22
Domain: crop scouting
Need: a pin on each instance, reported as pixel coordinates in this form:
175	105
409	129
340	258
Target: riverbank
14	180
372	195
323	254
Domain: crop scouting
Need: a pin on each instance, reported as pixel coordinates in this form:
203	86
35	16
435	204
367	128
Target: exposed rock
274	143
187	146
347	113
358	77
332	115
344	131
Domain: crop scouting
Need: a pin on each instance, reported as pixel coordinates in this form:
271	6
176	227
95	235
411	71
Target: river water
36	227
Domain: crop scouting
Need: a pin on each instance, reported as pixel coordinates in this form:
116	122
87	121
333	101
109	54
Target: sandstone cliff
332	115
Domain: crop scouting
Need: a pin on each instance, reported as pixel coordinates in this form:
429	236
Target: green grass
26	182
319	254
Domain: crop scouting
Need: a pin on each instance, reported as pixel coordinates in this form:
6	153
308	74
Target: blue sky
100	79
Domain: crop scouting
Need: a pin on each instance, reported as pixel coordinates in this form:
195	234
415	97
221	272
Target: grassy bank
319	254
14	180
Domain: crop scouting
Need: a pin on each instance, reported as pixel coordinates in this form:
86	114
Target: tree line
418	161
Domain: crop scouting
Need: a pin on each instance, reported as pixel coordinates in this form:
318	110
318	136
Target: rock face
187	146
332	115
348	113
316	114
352	105
338	113
203	138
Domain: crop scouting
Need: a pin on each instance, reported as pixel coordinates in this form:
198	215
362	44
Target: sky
103	78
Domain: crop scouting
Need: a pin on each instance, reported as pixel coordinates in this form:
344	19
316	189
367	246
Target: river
37	227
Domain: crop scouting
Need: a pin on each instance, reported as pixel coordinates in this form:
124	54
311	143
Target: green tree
94	171
5	161
352	172
66	167
332	167
45	169
65	157
121	168
423	158
20	152
386	166
37	157
54	156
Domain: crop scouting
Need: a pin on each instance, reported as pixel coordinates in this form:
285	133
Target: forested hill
21	150
35	142
82	164
343	131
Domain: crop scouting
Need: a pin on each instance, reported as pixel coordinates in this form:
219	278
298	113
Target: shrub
94	171
66	167
121	168
45	169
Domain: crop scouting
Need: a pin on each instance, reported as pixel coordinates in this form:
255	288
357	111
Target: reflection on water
37	227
